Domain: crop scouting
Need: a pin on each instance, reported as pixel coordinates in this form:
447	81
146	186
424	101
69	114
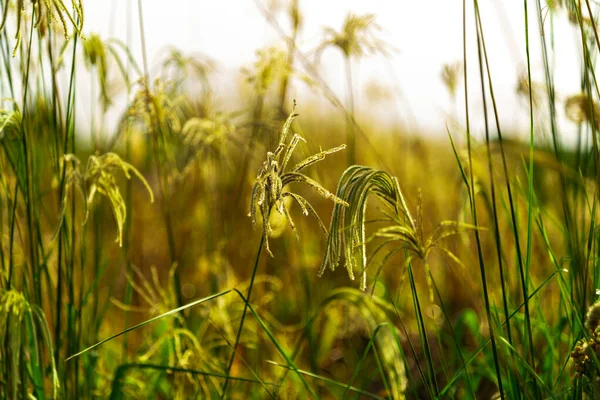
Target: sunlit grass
477	255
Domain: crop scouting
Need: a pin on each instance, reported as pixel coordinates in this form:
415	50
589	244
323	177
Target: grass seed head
46	12
356	38
348	237
269	191
581	108
451	75
98	177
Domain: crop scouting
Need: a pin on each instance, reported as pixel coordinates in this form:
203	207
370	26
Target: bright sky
427	34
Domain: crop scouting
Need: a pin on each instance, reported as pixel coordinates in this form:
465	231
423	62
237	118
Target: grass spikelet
356	39
52	10
269	189
206	138
537	90
357	36
586	352
99	178
451	74
96	54
182	69
347	230
581	108
153	105
270	66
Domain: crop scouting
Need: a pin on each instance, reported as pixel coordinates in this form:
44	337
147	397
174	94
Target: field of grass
280	251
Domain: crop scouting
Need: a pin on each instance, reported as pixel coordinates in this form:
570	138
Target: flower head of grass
183	69
524	86
587	350
98	177
347	234
51	10
270	188
270	66
155	107
209	133
356	38
96	53
581	108
451	75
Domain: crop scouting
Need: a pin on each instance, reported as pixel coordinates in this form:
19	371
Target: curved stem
350	139
239	333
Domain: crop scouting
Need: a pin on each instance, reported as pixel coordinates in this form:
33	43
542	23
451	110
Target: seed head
269	191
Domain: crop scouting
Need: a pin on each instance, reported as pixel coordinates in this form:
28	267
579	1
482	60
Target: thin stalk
474	209
162	179
13	220
70	272
497	235
255	133
423	333
285	80
523	275
63	232
350	137
247	301
128	223
29	196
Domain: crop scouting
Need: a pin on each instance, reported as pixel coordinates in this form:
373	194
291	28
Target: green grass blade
141	324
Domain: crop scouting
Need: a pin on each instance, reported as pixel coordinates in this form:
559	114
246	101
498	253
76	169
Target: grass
477	255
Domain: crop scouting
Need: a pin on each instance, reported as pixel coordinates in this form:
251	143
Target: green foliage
22	325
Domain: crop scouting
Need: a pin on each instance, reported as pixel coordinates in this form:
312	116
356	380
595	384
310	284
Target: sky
425	35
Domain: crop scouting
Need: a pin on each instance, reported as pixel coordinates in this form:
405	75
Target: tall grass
105	292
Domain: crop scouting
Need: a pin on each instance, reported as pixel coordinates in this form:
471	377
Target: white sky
426	34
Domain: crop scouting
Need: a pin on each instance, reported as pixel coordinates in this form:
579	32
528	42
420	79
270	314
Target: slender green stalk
63	242
498	238
129	223
254	135
433	385
29	177
474	211
285	79
165	200
497	235
239	332
350	137
524	273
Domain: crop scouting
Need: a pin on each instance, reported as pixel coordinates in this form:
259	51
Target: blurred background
400	88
